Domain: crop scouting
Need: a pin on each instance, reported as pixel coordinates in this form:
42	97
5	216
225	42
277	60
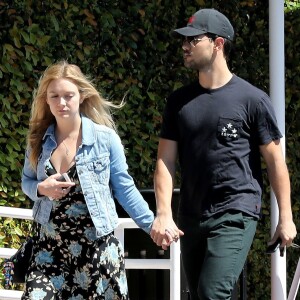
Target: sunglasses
193	41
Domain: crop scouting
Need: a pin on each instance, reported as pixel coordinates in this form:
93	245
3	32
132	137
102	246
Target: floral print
69	261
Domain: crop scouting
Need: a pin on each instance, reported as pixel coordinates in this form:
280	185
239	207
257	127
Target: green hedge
127	48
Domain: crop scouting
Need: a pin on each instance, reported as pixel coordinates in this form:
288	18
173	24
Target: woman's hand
54	189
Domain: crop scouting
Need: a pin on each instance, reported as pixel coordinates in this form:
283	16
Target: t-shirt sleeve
267	127
169	127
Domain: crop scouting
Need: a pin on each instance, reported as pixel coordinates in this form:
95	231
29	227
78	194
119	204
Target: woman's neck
66	129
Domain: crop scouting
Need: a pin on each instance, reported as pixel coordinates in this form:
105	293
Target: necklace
67	149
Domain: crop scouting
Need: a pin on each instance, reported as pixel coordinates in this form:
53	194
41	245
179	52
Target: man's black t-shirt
218	133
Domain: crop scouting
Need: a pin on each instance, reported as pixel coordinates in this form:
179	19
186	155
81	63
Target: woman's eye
67	97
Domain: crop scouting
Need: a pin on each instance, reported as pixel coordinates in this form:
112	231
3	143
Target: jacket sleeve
29	179
124	189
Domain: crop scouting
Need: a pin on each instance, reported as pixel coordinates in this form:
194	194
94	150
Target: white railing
295	283
173	263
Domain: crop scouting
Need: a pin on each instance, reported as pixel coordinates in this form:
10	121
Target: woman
71	131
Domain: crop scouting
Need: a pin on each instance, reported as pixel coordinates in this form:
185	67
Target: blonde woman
72	133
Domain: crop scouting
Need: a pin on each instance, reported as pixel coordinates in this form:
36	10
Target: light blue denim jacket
103	175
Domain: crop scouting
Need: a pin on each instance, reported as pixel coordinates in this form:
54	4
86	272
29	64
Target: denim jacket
103	175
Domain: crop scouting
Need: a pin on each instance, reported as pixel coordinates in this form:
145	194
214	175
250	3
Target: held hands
164	231
53	188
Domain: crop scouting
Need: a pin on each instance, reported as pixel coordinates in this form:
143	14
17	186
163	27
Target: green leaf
55	23
25	37
18	231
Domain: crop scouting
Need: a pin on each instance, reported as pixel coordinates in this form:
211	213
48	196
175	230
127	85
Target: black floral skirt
71	263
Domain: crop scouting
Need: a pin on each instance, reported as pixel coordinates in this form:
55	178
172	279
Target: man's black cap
208	21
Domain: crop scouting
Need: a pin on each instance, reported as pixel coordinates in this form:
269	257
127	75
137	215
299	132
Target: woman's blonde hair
94	106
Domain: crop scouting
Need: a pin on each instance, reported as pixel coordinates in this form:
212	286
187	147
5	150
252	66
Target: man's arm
164	177
279	179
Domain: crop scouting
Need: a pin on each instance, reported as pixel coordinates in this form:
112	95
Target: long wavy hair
94	106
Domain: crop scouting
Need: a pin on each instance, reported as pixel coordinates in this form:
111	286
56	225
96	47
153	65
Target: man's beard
201	65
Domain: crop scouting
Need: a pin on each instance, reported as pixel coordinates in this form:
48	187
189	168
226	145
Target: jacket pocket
100	169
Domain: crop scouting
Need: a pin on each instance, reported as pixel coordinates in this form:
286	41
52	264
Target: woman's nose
62	101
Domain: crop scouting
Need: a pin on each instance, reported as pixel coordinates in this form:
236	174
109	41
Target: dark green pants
214	251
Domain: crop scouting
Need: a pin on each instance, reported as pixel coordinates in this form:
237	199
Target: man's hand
285	232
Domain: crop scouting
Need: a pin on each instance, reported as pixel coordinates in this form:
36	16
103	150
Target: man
219	126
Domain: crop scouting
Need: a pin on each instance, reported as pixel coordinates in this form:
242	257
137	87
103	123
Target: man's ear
219	43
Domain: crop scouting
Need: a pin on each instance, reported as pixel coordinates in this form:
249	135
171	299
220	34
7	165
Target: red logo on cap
191	19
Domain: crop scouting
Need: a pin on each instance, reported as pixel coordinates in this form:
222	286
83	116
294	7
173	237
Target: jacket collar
88	131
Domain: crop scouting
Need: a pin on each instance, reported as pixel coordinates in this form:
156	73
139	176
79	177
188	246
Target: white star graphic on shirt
229	125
